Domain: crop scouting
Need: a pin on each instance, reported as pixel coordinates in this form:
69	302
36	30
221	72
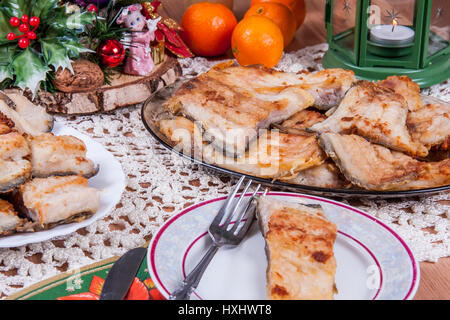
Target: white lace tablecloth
160	184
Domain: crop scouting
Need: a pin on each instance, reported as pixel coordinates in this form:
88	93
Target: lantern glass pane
392	12
344	20
439	26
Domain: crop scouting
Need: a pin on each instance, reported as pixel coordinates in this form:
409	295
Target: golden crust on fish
433	175
56	199
9	219
299	246
302	120
60	155
430	125
407	88
368	165
273	155
375	113
230	116
326	175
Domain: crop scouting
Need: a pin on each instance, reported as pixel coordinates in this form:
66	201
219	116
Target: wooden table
435	277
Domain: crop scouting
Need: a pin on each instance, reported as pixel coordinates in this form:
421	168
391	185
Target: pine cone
87	76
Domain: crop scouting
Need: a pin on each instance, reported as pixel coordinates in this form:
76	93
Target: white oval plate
110	180
373	262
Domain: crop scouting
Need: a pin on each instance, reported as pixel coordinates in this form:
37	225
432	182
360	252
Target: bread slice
299	248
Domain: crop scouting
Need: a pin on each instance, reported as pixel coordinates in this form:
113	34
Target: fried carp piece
433	175
273	155
299	122
405	87
299	248
15	169
60	155
328	87
55	199
230	115
9	218
430	125
326	175
376	113
368	165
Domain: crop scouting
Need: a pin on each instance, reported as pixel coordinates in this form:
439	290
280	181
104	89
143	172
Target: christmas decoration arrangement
86	56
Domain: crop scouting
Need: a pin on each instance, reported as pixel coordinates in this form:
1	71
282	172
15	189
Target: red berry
24	28
24	43
14	21
11	36
92	8
31	35
24	18
34	21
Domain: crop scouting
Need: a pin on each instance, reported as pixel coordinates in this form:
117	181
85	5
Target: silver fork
222	234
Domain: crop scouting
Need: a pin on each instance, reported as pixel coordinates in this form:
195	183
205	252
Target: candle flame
394	24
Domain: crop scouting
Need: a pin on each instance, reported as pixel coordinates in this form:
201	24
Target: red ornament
14	21
111	53
92	8
35	21
24	18
24	43
11	36
24	28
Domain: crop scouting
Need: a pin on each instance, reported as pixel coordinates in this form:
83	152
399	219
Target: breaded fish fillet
60	155
375	113
368	165
230	116
299	246
430	125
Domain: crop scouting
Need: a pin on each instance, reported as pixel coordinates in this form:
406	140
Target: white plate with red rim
373	261
110	181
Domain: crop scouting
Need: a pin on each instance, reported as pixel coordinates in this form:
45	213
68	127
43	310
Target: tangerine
207	28
257	40
278	13
298	8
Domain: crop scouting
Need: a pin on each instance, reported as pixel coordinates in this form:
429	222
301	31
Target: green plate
86	284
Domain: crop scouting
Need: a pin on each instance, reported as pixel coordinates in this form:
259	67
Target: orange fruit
278	13
257	40
298	8
207	28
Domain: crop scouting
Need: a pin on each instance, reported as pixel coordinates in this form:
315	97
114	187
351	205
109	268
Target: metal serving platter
153	112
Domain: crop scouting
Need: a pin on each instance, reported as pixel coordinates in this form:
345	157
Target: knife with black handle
122	274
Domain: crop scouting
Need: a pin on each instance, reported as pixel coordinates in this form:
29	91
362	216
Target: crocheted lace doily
160	184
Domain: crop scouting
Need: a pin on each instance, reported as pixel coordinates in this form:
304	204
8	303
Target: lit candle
392	34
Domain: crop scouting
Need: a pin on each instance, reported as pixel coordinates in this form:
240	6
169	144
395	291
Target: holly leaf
5	27
55	54
74	48
6	53
29	70
16	8
75	22
43	9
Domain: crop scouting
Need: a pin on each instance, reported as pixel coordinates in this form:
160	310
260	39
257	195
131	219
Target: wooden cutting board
124	90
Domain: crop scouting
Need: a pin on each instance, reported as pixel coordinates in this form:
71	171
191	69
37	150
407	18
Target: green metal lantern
380	38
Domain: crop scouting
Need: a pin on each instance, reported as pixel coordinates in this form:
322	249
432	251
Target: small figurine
140	61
